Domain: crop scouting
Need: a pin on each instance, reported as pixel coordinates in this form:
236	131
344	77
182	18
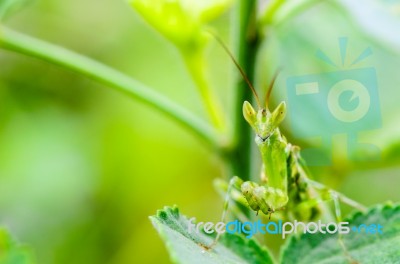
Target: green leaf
185	247
363	248
376	19
11	252
8	7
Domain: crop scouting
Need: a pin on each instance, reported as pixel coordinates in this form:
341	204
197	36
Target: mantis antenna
238	67
271	85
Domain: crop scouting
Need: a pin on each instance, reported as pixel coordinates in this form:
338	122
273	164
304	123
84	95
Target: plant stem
246	39
30	46
271	10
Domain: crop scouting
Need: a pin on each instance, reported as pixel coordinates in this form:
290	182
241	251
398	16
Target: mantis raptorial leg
285	183
323	194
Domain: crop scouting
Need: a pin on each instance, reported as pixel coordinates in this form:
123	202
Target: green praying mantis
285	183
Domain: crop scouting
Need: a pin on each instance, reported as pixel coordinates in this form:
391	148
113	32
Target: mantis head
263	121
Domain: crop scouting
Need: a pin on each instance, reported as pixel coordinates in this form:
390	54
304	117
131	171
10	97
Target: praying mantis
285	183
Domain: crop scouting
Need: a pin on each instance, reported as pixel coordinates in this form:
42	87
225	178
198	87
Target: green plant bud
181	21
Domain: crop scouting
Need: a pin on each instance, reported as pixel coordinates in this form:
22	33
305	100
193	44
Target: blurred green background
82	166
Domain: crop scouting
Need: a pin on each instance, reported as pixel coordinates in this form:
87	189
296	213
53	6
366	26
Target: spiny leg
334	196
326	197
303	202
235	182
337	198
299	165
